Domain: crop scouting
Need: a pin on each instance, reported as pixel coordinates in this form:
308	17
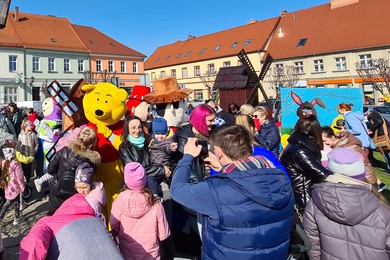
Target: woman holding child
134	148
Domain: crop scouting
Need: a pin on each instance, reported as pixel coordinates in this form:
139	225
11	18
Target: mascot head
137	105
169	99
50	110
104	103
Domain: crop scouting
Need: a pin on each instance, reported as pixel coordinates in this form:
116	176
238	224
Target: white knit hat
346	162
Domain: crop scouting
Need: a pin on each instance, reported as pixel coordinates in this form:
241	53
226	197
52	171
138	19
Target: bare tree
208	80
284	76
375	72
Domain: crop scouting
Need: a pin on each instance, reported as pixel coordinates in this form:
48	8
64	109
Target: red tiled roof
357	26
8	37
258	32
45	32
99	43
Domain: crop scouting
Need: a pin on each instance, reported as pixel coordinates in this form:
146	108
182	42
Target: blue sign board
323	100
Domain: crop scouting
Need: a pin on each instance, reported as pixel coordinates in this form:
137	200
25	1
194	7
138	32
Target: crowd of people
237	200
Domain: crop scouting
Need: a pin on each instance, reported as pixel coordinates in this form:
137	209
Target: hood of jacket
93	156
359	115
345	203
97	194
347	140
250	182
305	141
75	205
133	203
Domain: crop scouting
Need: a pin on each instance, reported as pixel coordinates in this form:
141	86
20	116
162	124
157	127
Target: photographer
247	195
201	124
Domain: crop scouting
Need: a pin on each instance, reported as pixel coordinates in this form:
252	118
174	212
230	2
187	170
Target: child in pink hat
137	218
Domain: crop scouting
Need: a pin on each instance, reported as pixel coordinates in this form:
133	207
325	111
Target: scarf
139	141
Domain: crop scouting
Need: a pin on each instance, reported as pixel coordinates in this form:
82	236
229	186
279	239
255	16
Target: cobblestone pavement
36	208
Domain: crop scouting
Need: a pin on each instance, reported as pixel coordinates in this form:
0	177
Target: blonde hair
246	109
88	142
261	110
246	121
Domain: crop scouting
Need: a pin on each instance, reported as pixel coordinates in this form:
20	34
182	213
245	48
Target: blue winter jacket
354	123
247	214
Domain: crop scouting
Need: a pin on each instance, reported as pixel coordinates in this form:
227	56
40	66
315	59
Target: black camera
205	149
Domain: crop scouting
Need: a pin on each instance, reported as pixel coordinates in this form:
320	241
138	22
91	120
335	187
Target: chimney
340	3
16	14
252	21
283	13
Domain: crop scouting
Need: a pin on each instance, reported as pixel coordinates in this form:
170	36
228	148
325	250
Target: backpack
65	187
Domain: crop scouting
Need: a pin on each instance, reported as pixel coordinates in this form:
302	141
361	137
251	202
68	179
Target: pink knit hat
135	177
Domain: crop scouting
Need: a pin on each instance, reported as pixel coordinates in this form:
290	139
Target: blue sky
144	25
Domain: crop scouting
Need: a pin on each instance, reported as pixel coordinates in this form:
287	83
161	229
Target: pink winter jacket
140	227
97	197
16	183
73	232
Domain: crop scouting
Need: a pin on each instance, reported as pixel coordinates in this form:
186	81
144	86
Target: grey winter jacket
160	152
347	221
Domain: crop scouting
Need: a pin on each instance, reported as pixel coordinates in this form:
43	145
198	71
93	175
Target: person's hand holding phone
192	148
212	161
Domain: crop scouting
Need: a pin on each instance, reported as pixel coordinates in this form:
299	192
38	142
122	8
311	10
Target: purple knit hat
346	162
135	177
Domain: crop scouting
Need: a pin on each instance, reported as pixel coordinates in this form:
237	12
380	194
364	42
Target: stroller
299	241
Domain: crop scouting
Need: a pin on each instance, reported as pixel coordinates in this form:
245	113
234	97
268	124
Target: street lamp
29	80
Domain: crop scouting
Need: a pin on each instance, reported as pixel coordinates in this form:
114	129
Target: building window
217	47
111	67
279	69
51	64
341	63
35	64
187	54
197	71
135	67
184	72
202	51
167	58
247	42
66	65
10	94
163	75
211	69
319	65
80	65
123	67
198	94
99	66
153	78
302	42
12	63
173	73
239	63
178	56
234	45
226	64
365	61
298	67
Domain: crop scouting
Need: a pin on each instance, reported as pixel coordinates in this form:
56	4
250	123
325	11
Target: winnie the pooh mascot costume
104	106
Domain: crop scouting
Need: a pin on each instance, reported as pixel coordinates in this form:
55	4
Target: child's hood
133	204
97	194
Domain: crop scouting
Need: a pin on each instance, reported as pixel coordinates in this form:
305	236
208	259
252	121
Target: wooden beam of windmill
252	73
